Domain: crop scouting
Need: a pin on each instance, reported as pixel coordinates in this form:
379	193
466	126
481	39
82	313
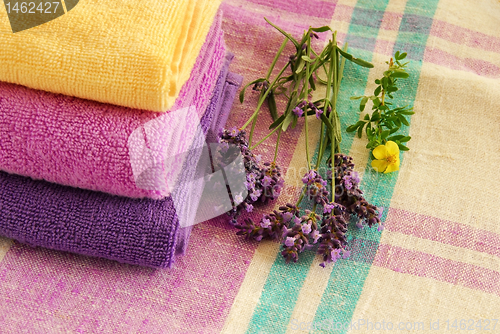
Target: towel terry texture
136	231
83	143
130	53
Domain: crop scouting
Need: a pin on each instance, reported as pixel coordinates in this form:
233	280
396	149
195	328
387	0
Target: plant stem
268	135
277	144
275	60
262	99
301	196
320	153
268	75
254	122
306	87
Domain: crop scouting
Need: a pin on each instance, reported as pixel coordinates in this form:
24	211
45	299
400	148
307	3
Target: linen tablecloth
438	259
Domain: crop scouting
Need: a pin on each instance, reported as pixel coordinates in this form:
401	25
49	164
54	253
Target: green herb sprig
385	120
298	83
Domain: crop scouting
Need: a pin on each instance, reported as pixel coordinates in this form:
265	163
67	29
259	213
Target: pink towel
83	143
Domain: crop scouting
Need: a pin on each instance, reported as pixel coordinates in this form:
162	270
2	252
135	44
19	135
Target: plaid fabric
436	266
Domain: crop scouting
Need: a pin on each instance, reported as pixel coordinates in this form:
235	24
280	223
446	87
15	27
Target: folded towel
136	54
136	231
85	144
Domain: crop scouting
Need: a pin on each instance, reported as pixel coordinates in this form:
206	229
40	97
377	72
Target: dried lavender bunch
333	231
272	182
262	182
348	194
302	236
297	233
315	187
272	226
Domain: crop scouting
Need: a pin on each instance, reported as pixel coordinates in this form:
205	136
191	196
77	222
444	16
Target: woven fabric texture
127	53
437	263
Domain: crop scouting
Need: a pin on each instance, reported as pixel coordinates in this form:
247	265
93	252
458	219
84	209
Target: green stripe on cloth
347	279
280	292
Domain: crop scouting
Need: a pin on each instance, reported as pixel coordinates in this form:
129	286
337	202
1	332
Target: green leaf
362	104
336	123
272	105
311	83
377	90
356	97
277	122
288	119
353	127
307	59
301	65
392	89
376	102
242	93
358	61
399	74
367	117
384	82
396	138
293	40
393	130
360	131
405	139
375	116
406	112
403	120
384	134
402	56
321	29
402	147
327	122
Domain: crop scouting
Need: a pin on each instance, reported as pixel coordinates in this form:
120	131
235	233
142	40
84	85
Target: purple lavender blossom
315	186
290	241
315	235
318	113
234	132
266	181
265	223
249	207
306	228
298	111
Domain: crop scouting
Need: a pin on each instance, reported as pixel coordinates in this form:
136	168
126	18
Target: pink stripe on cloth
254	22
316	8
342	13
478	66
384	47
443	231
464	36
84	144
420	264
391	21
44	291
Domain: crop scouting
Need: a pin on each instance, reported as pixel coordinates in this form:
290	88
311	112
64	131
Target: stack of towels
102	114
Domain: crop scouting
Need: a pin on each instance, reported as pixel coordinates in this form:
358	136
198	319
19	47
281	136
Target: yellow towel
133	53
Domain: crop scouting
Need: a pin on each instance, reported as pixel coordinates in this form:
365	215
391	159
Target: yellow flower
387	157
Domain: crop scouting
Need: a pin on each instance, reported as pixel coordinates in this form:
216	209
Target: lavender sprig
326	232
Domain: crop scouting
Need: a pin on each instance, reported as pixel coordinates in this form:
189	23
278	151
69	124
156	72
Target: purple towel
136	231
